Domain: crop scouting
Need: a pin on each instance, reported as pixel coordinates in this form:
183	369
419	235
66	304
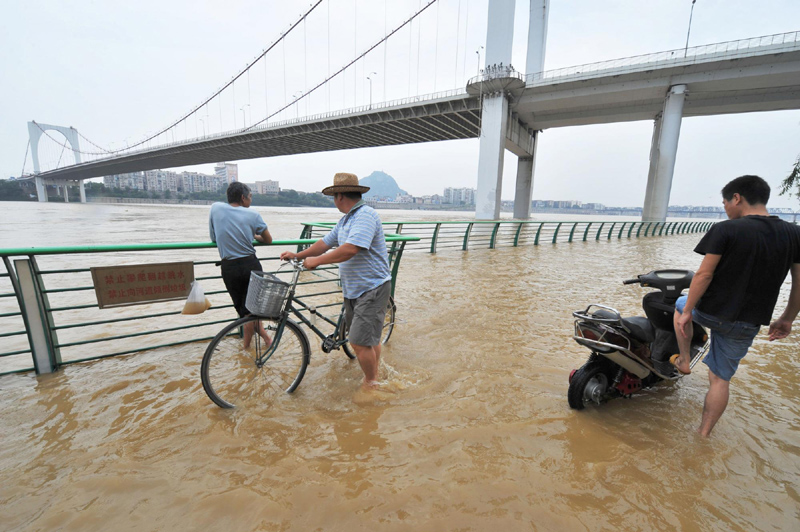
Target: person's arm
317	248
211	228
781	327
265	237
340	254
700	282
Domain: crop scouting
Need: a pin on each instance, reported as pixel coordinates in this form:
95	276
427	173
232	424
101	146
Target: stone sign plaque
118	286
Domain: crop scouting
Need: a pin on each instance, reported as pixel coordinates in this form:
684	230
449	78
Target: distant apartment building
270	188
227	171
459	196
132	181
163	181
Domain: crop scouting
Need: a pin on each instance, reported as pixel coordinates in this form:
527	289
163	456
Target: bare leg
249	329
715	404
248	334
368	360
684	344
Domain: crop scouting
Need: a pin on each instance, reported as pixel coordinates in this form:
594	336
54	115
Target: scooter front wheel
589	385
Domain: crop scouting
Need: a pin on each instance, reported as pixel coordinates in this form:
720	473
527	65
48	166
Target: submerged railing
49	314
491	234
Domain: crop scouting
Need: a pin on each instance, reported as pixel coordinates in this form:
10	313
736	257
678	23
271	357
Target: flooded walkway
470	431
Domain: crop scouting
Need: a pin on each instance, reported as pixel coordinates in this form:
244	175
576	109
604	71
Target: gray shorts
365	315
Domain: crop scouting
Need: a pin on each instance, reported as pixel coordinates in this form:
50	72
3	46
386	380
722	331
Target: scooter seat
640	328
604	314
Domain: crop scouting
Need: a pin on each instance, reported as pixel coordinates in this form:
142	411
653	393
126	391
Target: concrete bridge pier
41	189
494	122
524	191
663	152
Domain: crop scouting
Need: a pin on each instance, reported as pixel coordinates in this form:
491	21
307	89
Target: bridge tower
498	85
35	132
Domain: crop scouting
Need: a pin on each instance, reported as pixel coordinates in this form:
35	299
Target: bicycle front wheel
388	327
235	376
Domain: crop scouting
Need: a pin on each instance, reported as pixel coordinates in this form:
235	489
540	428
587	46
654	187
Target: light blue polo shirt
233	229
369	268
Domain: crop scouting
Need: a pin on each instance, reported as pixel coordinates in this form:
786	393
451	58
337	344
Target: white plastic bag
197	303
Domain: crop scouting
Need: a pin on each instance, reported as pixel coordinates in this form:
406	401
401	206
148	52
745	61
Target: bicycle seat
640	328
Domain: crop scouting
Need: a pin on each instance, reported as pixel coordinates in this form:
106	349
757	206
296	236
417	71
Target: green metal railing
52	315
464	235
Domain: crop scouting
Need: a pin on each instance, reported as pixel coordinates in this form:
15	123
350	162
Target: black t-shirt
757	253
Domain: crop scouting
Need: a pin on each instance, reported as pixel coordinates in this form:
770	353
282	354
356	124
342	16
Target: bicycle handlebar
631	281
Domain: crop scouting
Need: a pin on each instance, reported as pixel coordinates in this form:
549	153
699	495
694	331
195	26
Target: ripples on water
471	430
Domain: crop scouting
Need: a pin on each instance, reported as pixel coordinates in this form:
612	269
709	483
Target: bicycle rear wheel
388	327
232	375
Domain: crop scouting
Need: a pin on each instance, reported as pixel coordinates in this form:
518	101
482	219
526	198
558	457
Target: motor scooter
629	354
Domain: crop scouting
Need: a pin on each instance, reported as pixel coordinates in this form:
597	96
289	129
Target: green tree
12	191
792	181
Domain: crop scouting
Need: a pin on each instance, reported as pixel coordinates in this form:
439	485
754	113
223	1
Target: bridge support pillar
494	121
663	151
66	193
524	192
41	189
82	191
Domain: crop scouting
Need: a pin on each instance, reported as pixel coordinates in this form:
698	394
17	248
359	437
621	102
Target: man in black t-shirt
746	259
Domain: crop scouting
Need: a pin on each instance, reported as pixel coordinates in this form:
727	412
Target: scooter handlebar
631	281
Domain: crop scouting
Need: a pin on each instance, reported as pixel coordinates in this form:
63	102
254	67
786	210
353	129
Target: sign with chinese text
117	286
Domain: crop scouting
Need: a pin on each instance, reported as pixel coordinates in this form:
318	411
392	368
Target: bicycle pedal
328	344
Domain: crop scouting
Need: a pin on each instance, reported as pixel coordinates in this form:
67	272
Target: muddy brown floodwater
470	431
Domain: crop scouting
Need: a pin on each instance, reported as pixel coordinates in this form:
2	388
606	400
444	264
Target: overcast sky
119	70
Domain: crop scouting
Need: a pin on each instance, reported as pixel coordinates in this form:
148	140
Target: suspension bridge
502	106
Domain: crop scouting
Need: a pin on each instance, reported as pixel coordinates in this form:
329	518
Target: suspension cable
25	160
218	92
320	84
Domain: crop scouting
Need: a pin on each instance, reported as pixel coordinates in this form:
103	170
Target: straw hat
344	183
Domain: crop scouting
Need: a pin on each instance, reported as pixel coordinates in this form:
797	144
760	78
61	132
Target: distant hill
381	185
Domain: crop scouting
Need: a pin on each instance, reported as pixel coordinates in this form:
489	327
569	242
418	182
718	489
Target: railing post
661	231
572	232
538	231
640	229
586	232
633	224
435	237
304	234
465	246
597	236
555	234
519	230
494	235
398	253
38	321
399	229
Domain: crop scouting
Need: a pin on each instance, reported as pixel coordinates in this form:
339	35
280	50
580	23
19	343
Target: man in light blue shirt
363	269
233	226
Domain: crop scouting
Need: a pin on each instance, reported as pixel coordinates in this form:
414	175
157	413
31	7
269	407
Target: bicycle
231	374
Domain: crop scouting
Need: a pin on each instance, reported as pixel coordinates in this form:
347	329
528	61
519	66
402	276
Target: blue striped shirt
369	268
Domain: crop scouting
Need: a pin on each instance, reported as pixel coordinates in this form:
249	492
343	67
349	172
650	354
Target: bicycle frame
289	309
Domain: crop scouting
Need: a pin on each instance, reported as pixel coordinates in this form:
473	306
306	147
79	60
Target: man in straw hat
363	269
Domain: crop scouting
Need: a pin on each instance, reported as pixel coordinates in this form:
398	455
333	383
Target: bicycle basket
265	295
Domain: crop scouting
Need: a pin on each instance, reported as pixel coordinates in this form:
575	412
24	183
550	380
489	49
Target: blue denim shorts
729	341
